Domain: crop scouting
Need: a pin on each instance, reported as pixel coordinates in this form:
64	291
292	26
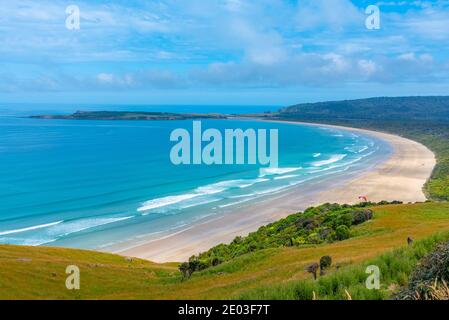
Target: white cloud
230	43
367	67
332	15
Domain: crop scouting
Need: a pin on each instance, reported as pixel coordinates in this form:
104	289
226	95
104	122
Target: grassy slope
39	272
395	268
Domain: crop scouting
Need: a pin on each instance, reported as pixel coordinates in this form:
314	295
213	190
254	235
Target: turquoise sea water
93	184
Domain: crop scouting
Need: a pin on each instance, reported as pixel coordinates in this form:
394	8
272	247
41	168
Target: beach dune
401	177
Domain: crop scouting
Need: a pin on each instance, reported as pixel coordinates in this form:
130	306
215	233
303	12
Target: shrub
316	225
429	277
396	268
325	262
342	233
361	216
185	270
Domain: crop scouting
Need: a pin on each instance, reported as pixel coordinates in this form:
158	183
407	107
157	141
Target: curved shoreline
400	177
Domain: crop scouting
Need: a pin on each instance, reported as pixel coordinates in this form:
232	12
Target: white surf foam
332	159
56	230
4	233
364	148
287	177
277	171
203	191
229	184
166	201
74	226
201	203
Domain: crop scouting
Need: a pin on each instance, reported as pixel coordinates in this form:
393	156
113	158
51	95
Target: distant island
130	115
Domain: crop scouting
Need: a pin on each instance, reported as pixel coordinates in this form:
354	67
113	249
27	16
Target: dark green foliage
399	108
434	267
316	225
129	115
423	119
361	216
325	262
342	233
184	268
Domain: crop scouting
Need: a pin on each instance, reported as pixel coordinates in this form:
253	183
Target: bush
431	274
396	266
325	262
316	225
342	233
361	216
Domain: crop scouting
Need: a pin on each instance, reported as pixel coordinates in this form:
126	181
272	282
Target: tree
184	268
342	233
325	263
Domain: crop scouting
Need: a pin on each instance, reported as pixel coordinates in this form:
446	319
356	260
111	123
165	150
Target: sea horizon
33	109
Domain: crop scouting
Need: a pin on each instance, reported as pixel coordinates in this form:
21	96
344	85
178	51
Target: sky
236	52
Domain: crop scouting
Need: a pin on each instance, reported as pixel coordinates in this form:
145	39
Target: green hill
423	119
383	108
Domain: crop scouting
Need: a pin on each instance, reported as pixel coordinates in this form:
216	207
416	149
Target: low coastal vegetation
130	116
350	282
429	280
381	108
423	119
317	225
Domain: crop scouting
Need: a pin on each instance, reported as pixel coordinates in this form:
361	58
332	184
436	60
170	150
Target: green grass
39	273
395	266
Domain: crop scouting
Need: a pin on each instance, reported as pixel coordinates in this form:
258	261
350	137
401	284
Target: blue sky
259	52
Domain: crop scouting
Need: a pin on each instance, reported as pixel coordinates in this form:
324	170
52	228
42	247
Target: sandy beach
401	177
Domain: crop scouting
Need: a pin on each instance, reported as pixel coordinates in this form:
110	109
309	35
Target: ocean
96	184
